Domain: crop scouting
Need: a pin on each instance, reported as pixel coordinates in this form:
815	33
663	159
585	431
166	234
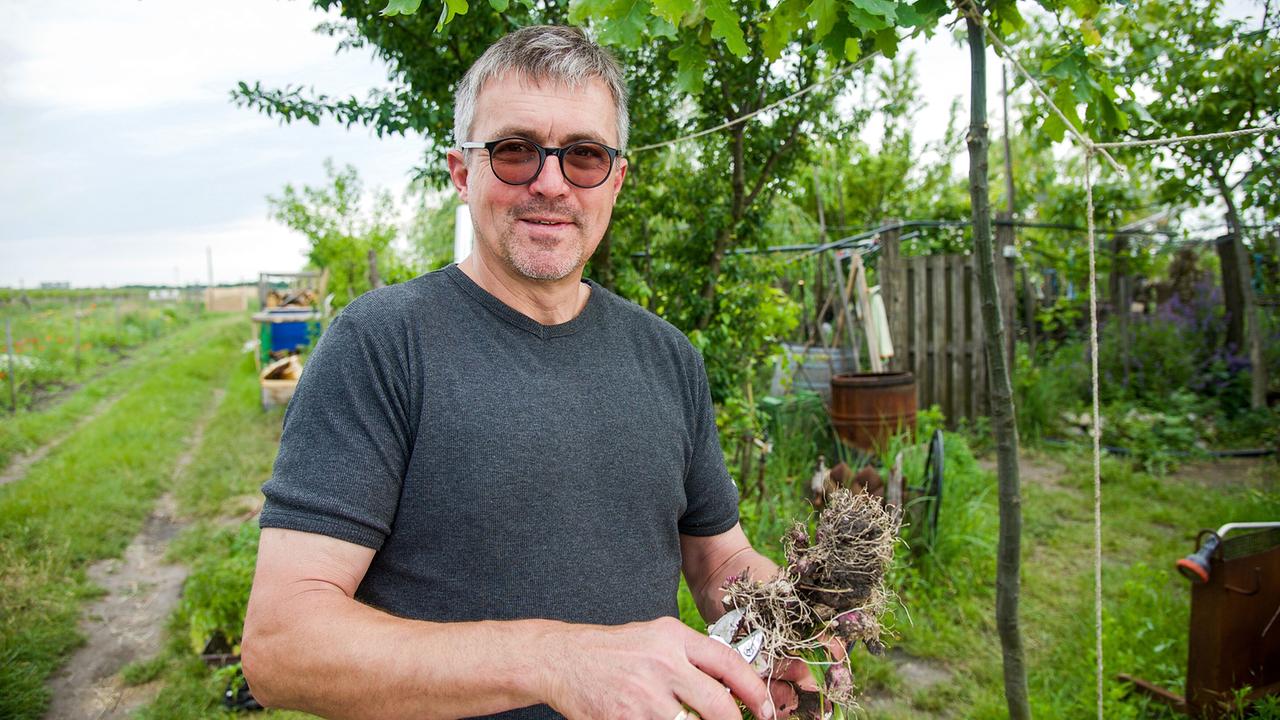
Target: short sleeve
711	496
346	439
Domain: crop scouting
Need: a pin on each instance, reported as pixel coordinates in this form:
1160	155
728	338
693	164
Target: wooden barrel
869	408
805	368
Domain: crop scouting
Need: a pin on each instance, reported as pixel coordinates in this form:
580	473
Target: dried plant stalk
831	587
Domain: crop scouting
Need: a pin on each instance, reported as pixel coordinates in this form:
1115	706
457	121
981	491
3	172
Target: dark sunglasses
517	161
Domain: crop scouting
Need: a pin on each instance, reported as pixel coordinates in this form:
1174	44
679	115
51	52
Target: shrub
217	591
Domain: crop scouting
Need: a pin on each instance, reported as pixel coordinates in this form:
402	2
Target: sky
122	158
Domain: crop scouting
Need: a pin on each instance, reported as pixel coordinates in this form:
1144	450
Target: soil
1031	470
127	623
915	675
1261	472
19	465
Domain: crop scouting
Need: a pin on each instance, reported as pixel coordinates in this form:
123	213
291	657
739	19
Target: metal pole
8	343
208	296
77	338
1008	152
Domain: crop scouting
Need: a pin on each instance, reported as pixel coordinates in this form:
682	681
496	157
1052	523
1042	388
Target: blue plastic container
290	335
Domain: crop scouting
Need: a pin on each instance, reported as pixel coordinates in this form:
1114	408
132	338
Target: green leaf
660	28
781	27
887	43
451	9
1006	15
628	20
692	63
401	7
1086	9
910	16
725	25
824	13
1090	33
1053	127
500	5
673	11
867	22
581	10
852	49
884	8
1065	98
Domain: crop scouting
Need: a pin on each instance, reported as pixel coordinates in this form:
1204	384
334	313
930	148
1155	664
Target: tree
343	229
732	58
1210	74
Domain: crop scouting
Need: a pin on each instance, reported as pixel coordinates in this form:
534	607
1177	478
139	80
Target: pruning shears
725	630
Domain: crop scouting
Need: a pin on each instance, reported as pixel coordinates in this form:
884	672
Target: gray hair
541	52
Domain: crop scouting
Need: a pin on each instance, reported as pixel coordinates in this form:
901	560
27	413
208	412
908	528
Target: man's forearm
338	658
710	597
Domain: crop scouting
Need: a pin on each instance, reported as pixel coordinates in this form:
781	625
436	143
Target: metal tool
726	628
1196	565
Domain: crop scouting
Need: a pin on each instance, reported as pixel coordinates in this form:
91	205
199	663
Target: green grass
946	589
86	500
29	430
215	491
1147	524
49	361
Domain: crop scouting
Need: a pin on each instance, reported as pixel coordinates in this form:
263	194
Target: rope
1189	138
738	121
1097	426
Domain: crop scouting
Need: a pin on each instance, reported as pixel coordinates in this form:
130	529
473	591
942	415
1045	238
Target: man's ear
458	173
620	175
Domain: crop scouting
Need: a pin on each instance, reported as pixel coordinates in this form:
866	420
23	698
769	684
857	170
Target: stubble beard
526	256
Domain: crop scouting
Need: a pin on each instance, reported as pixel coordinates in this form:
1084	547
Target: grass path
126	625
29	432
87	499
19	465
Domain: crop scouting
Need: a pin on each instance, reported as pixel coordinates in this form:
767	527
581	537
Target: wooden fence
935	322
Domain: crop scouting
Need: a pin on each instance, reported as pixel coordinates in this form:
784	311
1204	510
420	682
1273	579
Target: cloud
241	249
123	157
89	56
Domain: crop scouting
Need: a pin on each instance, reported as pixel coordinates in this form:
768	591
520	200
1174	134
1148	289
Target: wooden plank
955	336
977	358
893	289
1005	243
850	328
938	329
858	276
920	328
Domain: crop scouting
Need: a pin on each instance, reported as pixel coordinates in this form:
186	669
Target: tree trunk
1121	299
1009	553
375	278
602	262
1237	285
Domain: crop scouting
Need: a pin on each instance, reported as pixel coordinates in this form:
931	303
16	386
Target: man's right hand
648	671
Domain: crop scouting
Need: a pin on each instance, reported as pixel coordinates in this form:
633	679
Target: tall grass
30	429
83	503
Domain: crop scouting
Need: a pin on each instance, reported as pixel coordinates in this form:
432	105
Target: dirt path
127	624
915	676
1032	469
18	466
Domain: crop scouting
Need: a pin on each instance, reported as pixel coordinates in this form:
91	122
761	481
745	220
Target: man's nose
551	181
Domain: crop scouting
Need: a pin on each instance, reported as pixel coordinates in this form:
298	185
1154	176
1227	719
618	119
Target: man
491	476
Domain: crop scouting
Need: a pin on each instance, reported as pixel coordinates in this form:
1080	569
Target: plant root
831	589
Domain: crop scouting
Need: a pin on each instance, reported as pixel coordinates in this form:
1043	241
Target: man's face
547	229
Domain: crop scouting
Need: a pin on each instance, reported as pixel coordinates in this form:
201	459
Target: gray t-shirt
502	468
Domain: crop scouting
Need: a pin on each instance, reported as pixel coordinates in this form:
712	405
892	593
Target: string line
1189	138
739	120
1097	426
